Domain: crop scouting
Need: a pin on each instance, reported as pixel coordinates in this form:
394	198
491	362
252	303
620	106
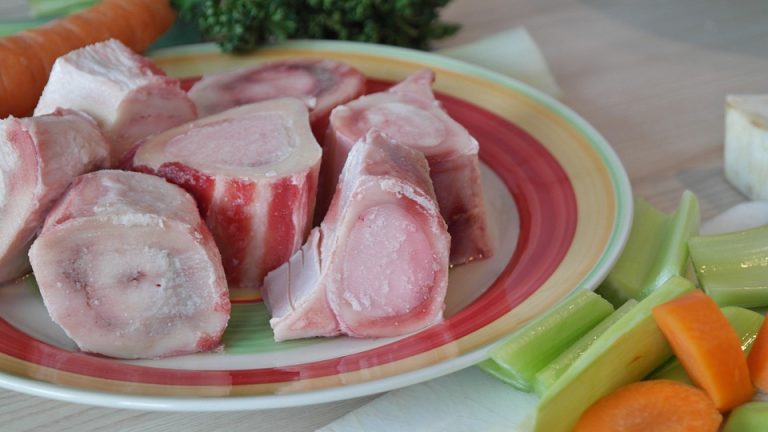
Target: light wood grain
651	76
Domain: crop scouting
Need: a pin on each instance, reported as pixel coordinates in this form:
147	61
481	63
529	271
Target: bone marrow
378	264
409	114
253	170
127	268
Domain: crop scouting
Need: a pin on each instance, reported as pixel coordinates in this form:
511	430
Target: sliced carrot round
652	406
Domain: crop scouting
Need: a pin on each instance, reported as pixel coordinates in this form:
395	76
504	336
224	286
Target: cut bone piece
321	83
127	268
253	170
39	159
378	264
126	93
409	114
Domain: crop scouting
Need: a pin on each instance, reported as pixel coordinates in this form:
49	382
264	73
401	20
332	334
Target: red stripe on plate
546	204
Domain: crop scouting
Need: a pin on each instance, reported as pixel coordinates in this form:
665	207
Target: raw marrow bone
378	264
409	114
39	158
127	268
126	93
321	83
253	171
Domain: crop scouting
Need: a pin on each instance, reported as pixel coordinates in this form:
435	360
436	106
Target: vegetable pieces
758	359
657	248
627	351
242	25
708	348
548	376
26	58
659	405
750	417
732	268
519	357
745	322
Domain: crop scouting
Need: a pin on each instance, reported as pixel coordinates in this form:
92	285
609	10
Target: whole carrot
26	58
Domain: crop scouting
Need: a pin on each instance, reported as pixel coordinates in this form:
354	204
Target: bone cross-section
378	264
253	171
409	114
128	269
321	83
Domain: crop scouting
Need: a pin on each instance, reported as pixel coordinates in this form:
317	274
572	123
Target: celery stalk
745	322
627	351
517	359
733	268
750	417
546	378
657	248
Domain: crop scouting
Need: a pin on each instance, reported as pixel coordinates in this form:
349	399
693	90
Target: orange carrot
707	347
26	58
647	406
758	358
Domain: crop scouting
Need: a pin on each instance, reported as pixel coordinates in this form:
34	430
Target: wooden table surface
652	76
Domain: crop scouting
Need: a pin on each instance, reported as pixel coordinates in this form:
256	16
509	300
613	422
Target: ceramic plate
559	205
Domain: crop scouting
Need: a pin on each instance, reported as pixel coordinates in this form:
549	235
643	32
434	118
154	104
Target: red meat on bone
253	171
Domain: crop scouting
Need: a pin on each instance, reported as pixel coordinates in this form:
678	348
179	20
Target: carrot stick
656	405
758	358
26	58
707	347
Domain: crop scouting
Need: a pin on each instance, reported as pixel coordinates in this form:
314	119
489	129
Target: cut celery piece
626	352
745	322
749	417
547	377
529	350
657	248
733	268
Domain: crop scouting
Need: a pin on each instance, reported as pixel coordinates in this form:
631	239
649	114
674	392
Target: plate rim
612	249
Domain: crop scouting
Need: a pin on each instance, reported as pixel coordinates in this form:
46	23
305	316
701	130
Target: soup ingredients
707	347
518	358
758	359
242	25
26	58
378	264
629	350
409	114
750	417
127	268
658	405
321	83
39	159
126	93
657	248
732	268
746	139
548	376
745	322
253	171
